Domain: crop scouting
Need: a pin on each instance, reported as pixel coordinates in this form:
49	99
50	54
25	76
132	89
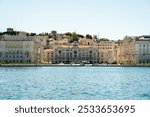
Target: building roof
48	50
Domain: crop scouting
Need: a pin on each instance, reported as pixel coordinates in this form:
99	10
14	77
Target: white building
143	49
19	48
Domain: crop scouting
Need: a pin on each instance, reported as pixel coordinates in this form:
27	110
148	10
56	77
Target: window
59	52
70	54
75	52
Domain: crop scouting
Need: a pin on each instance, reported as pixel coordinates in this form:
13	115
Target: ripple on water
75	83
145	96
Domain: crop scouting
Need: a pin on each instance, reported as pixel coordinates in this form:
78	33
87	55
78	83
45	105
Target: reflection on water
74	83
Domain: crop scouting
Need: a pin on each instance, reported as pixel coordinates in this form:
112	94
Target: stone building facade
135	50
142	49
106	49
20	48
72	54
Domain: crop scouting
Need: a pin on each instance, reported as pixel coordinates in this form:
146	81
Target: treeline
53	34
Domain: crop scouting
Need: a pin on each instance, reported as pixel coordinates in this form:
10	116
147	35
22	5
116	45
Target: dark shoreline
70	65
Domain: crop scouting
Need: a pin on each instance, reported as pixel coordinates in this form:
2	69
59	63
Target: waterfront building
88	50
135	50
23	47
143	49
116	53
49	56
127	50
106	49
19	47
72	53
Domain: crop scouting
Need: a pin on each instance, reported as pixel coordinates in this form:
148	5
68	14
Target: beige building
22	47
116	53
49	56
127	50
72	54
87	42
88	50
19	48
135	50
106	49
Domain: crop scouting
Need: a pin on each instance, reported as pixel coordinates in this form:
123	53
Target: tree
68	34
43	34
88	36
95	36
1	33
119	42
104	39
74	37
32	34
79	35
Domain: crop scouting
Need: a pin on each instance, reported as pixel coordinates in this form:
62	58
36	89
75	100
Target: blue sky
113	19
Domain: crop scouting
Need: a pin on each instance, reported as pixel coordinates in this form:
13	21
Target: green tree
74	37
88	36
32	34
80	36
104	39
68	34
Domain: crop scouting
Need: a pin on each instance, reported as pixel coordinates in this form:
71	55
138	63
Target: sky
111	19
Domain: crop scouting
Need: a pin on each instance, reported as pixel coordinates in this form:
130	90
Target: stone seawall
70	65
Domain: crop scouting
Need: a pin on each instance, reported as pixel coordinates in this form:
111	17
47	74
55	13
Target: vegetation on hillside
74	37
104	39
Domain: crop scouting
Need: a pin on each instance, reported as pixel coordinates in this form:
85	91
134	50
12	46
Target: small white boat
88	65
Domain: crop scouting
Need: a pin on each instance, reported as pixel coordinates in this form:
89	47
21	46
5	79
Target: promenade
72	65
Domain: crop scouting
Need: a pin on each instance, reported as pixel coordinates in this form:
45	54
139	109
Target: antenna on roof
98	35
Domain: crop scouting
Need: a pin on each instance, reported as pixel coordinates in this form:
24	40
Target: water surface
93	83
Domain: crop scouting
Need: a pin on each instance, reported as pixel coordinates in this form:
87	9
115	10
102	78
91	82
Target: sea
74	83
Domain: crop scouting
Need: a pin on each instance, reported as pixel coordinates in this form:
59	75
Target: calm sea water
46	83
